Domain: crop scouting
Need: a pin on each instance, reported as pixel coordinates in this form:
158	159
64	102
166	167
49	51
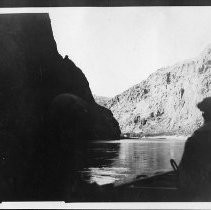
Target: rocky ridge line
165	103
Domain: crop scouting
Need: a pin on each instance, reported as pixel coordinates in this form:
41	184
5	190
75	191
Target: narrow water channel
123	160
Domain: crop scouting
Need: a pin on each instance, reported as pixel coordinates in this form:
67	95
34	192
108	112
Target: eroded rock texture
165	103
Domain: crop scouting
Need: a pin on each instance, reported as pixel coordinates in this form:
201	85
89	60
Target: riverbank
175	137
145	138
155	136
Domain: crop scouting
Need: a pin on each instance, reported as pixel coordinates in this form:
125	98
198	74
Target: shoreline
177	137
155	136
145	139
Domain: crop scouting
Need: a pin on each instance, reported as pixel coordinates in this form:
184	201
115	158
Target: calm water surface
122	161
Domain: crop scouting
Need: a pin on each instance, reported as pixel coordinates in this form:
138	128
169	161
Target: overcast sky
117	48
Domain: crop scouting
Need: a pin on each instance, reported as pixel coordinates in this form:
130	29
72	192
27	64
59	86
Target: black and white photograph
105	104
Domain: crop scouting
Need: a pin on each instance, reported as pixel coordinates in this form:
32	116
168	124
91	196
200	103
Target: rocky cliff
165	103
47	111
33	73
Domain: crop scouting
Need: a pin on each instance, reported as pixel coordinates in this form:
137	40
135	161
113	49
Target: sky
118	47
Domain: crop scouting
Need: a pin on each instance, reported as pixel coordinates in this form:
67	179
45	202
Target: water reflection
100	157
121	161
102	154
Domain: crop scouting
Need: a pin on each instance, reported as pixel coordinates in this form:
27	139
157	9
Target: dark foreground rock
47	112
158	188
195	166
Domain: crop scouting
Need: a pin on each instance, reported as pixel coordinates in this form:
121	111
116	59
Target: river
122	161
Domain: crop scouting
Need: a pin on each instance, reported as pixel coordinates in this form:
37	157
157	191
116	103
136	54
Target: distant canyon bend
166	102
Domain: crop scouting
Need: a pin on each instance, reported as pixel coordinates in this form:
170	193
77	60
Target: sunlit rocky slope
165	103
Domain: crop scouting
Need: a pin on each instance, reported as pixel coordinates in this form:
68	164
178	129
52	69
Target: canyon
166	102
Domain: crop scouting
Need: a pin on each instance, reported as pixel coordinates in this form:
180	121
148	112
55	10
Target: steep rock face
165	103
33	73
47	111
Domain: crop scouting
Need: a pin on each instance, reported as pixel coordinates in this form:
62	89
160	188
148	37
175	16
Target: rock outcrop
165	103
47	111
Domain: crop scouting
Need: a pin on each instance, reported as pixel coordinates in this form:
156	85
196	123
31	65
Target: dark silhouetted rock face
165	103
45	103
195	167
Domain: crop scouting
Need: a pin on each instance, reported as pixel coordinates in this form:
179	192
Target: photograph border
103	3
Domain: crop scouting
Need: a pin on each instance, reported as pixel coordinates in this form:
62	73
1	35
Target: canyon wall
47	111
165	103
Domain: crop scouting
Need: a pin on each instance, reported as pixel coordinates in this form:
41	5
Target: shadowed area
195	166
47	113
